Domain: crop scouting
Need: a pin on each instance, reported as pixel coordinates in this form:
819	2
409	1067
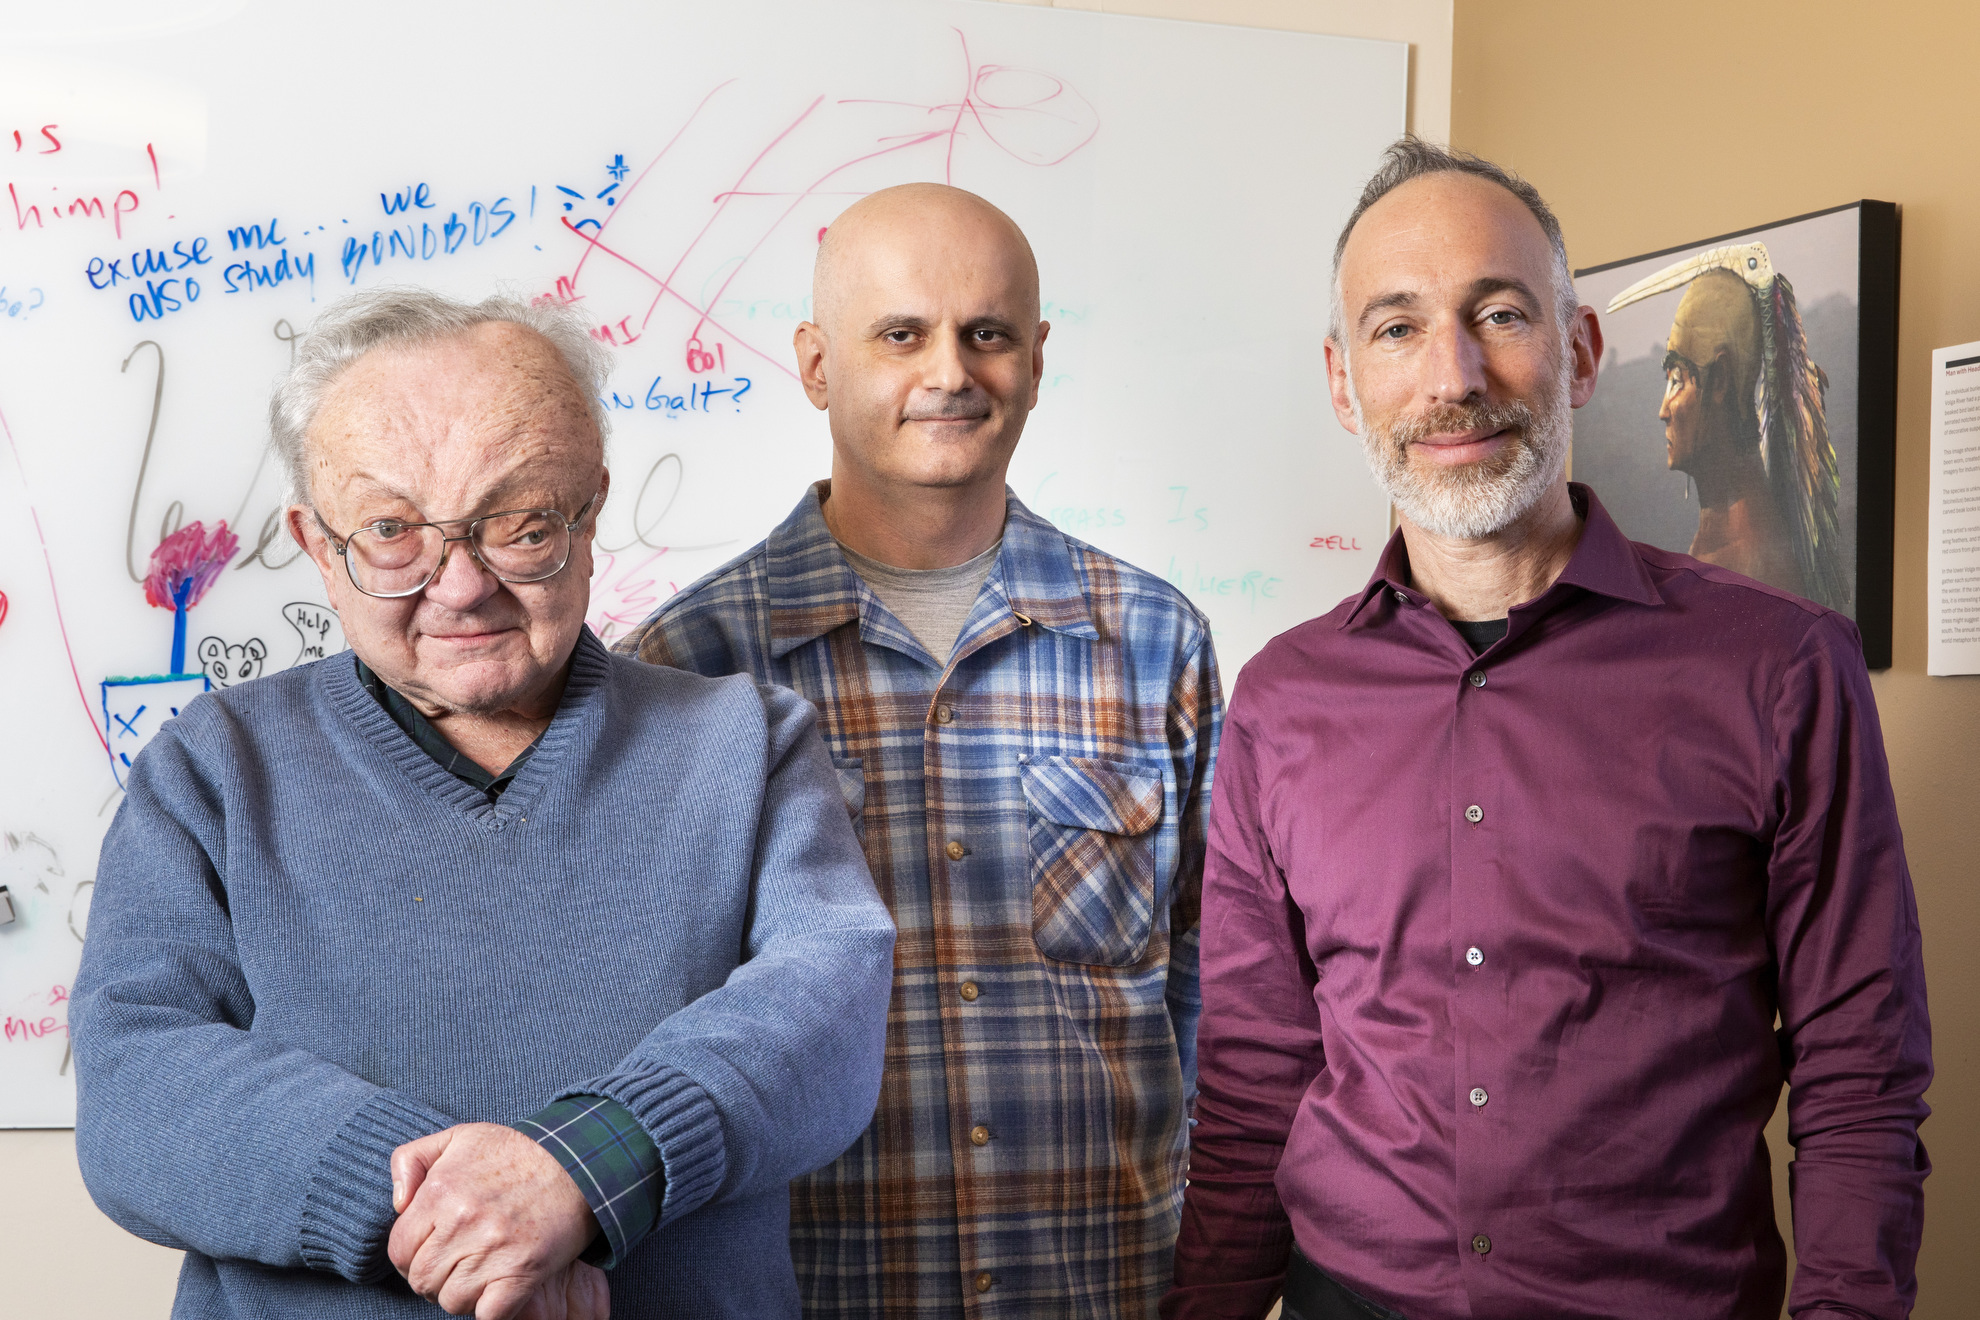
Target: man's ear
303	530
1038	361
1337	385
1717	384
809	341
1585	344
296	518
598	501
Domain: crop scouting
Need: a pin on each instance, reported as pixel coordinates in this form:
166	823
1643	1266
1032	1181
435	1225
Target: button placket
1478	799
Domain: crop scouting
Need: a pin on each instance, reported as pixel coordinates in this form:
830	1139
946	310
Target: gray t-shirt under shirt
934	603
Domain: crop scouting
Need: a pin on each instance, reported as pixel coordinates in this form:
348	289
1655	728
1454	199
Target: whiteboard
187	184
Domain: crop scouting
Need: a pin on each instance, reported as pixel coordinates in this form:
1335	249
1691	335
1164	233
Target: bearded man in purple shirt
1518	857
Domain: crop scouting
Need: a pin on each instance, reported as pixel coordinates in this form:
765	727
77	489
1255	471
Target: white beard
1478	499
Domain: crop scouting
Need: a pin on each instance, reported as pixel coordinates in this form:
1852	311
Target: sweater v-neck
590	665
454	761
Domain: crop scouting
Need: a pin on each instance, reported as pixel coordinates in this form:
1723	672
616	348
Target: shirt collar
812	589
1605	562
431	741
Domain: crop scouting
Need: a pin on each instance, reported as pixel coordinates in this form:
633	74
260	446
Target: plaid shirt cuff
613	1162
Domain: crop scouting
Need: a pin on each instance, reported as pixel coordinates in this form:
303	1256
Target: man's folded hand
491	1225
577	1293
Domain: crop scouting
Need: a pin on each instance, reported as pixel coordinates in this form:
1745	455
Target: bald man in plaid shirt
1023	727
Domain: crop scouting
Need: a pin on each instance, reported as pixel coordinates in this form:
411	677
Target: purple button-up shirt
1493	949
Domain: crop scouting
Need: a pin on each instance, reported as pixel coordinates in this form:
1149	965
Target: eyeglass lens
397	559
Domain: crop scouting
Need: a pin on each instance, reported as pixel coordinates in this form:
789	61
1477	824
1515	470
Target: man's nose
1455	364
944	367
462	582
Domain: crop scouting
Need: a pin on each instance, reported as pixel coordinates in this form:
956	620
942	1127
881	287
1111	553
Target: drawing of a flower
183	567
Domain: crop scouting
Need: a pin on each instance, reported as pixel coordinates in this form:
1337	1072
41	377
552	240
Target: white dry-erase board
185	183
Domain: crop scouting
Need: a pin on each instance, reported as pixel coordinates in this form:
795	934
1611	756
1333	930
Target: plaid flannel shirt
1034	815
613	1162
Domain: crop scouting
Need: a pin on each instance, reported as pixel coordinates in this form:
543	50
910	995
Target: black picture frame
1846	302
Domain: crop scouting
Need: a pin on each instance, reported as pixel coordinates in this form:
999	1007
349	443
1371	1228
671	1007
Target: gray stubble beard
1480	499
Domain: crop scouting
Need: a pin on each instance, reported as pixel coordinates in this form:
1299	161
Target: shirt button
1474	955
1477	678
983	1281
1478	1098
945	715
955	848
1481	1244
969	991
979	1135
1473	813
1401	599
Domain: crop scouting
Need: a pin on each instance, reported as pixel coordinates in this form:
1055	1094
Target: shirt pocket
1091	834
851	772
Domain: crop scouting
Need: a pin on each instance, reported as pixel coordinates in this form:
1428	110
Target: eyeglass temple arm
339	546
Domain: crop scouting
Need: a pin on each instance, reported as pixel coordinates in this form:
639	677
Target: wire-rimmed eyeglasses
389	558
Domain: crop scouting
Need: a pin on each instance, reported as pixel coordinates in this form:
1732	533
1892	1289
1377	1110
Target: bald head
926	351
925	226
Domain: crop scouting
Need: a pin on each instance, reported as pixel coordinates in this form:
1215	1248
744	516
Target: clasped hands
491	1225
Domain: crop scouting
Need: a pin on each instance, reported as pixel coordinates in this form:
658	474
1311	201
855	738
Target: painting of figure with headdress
1730	418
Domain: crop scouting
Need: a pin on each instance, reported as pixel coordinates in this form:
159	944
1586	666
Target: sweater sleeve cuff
347	1214
681	1118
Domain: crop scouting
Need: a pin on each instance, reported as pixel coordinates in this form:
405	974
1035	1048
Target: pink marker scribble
183	567
1028	115
622	598
54	592
187	563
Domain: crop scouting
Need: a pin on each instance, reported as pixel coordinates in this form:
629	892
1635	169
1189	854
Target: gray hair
379	318
1410	157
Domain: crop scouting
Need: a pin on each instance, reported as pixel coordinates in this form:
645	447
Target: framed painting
1746	410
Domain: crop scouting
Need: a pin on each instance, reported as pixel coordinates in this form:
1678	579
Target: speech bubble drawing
316	628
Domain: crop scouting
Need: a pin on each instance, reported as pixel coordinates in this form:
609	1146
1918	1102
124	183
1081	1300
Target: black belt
1312	1295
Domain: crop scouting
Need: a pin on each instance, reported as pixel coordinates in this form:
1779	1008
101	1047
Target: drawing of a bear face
226	665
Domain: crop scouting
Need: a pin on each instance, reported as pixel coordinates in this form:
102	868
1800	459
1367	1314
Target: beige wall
59	1257
62	1259
1647	126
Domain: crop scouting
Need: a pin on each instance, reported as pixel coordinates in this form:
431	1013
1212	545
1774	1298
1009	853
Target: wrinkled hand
491	1225
579	1293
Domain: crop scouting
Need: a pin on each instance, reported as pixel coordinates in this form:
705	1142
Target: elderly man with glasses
477	953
